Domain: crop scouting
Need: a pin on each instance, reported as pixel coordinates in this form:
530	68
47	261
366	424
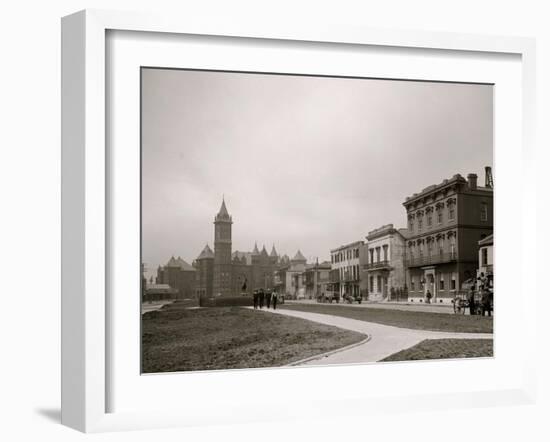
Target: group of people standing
262	296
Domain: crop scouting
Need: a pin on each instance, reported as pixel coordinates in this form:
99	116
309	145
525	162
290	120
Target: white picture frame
86	202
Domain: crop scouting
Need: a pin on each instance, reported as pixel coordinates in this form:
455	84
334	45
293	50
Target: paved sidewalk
431	308
152	306
385	340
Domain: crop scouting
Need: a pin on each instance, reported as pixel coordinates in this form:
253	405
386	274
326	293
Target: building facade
316	279
385	266
485	270
222	272
445	223
179	275
290	277
345	275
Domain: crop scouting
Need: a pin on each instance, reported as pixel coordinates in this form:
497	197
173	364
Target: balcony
348	277
380	265
440	258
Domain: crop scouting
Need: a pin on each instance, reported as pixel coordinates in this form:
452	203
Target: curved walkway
384	341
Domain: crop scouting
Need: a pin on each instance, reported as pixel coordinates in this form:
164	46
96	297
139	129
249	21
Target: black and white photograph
294	220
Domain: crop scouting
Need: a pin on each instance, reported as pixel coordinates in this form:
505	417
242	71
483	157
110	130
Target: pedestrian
255	296
472	300
486	303
274	300
267	298
428	297
262	295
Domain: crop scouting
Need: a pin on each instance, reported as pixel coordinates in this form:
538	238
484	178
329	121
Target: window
453	246
439	216
385	253
419	224
429	219
412	284
441	284
411	225
453	284
484	212
484	256
451	212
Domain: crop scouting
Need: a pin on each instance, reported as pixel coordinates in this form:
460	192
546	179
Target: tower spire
223	214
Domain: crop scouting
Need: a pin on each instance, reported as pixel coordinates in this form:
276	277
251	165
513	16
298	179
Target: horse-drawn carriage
462	301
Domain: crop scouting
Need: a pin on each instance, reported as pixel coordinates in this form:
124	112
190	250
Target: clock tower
222	252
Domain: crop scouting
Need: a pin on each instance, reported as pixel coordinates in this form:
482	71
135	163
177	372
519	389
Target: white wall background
30	213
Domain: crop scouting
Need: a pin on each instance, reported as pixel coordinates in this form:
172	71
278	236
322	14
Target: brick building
222	272
445	223
179	275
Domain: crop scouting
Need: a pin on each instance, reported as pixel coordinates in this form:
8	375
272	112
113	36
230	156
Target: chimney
472	181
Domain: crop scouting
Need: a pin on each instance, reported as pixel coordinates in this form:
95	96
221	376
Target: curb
329	353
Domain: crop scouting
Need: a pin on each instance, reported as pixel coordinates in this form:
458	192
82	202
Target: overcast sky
304	163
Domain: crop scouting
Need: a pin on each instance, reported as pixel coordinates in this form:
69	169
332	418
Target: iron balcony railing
378	265
439	258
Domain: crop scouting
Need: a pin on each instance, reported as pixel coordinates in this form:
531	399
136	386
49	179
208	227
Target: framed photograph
312	211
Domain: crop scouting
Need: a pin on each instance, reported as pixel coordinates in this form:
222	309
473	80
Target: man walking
255	296
274	300
472	300
486	303
262	298
267	298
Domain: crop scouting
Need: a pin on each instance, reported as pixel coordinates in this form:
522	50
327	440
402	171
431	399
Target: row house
384	269
317	279
445	223
345	275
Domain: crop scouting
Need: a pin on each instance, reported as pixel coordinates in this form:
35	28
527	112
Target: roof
223	214
457	178
299	257
405	233
384	230
264	251
184	265
179	263
206	253
255	251
273	251
487	241
353	244
244	257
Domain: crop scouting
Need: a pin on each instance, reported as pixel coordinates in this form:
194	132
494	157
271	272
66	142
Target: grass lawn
404	319
445	349
178	339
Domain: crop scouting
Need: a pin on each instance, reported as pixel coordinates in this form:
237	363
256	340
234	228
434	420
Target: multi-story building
179	275
385	266
485	270
345	275
445	223
289	277
223	272
316	278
